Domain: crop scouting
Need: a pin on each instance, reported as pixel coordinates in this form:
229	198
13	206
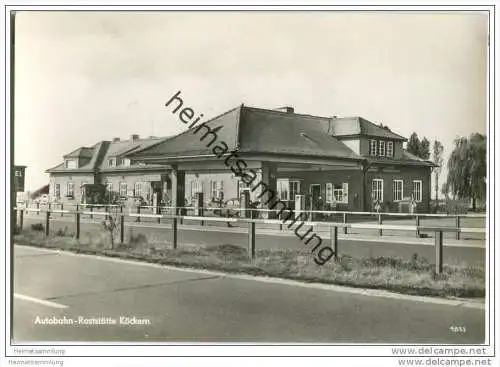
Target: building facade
336	163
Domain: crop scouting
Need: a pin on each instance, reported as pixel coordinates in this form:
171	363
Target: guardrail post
138	219
62	208
458	227
417	223
438	241
334	241
37	208
47	217
380	223
174	233
251	240
344	220
122	227
21	219
77	223
91	210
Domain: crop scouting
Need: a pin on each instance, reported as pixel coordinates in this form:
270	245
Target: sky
83	77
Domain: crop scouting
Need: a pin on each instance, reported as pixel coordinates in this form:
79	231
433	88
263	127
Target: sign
18	173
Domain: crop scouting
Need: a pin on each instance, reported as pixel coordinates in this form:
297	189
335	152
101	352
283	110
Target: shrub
38	227
137	239
64	232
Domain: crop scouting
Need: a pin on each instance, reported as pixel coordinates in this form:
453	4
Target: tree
418	148
424	151
111	224
413	145
467	168
437	158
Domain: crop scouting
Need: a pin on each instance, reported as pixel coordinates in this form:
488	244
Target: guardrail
156	212
251	223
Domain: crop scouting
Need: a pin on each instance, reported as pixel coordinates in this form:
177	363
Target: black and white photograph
243	177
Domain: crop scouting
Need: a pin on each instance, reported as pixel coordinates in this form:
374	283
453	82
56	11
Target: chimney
286	109
134	137
115	140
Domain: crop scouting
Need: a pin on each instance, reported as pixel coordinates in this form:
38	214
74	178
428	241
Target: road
195	306
160	235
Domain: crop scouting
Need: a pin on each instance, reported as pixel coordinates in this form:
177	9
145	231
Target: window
329	193
390	149
238	188
213	189
417	190
19	174
373	147
397	190
381	148
82	188
70	189
283	188
112	162
123	189
195	187
126	162
109	187
337	193
138	189
57	191
378	189
70	163
294	189
216	189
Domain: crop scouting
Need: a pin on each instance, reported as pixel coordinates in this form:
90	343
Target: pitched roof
97	153
407	156
255	130
188	143
407	159
348	126
83	152
269	131
121	148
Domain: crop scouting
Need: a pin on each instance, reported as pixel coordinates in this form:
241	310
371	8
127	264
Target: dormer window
390	149
70	163
373	147
112	162
381	148
126	162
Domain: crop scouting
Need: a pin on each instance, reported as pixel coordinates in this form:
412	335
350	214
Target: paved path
455	252
199	306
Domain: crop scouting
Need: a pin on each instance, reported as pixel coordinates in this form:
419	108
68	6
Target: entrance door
315	191
157	196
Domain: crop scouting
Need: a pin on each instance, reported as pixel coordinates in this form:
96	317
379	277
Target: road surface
177	305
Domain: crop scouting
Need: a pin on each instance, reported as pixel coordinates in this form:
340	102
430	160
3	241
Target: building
337	163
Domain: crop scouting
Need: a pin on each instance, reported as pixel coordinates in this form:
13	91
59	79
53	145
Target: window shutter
329	192
345	192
